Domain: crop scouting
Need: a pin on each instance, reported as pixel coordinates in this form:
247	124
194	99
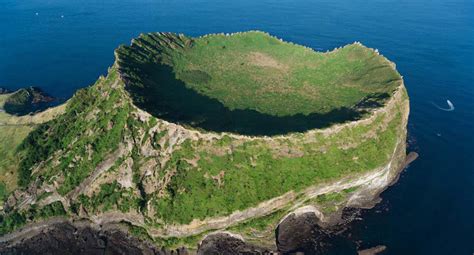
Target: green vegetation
11	222
111	196
248	83
10	137
107	131
3	192
13	130
170	243
174	242
255	71
43	196
138	232
15	219
331	202
264	223
53	209
26	100
193	194
252	83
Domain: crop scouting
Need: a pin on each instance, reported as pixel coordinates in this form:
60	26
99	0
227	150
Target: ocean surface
63	45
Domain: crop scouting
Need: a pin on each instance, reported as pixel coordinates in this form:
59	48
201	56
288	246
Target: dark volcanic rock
28	100
66	238
306	234
4	91
297	233
223	243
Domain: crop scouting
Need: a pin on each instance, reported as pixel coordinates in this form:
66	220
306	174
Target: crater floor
252	83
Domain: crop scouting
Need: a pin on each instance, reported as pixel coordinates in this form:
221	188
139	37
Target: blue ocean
62	46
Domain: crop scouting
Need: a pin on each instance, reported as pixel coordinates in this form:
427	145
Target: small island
187	138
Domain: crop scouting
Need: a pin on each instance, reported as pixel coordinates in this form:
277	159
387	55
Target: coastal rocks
226	243
28	100
4	91
67	238
297	232
305	233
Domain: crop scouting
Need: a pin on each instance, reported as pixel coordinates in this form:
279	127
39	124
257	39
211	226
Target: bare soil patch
263	60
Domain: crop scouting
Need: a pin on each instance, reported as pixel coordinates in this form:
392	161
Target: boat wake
451	106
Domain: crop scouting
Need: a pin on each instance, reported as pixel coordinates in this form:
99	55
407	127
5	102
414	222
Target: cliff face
108	161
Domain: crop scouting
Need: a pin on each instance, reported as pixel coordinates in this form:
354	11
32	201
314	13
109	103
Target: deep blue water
63	45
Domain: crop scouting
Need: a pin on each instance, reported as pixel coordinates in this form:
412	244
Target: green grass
192	194
169	243
106	132
111	196
43	196
3	98
15	219
100	118
330	202
252	83
13	131
18	102
10	138
175	243
3	192
11	221
255	71
265	223
26	100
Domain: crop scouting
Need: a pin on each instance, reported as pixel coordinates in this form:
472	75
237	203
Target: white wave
451	106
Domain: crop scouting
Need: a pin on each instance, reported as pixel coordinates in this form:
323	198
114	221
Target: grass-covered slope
102	112
256	71
58	155
109	157
246	82
13	130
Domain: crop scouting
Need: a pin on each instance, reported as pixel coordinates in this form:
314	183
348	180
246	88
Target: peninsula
224	133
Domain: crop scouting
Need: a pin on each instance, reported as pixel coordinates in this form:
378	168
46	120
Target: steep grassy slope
256	71
13	130
64	151
249	82
108	160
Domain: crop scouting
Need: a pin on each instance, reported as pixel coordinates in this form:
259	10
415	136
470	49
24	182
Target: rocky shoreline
297	232
27	101
64	237
4	91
